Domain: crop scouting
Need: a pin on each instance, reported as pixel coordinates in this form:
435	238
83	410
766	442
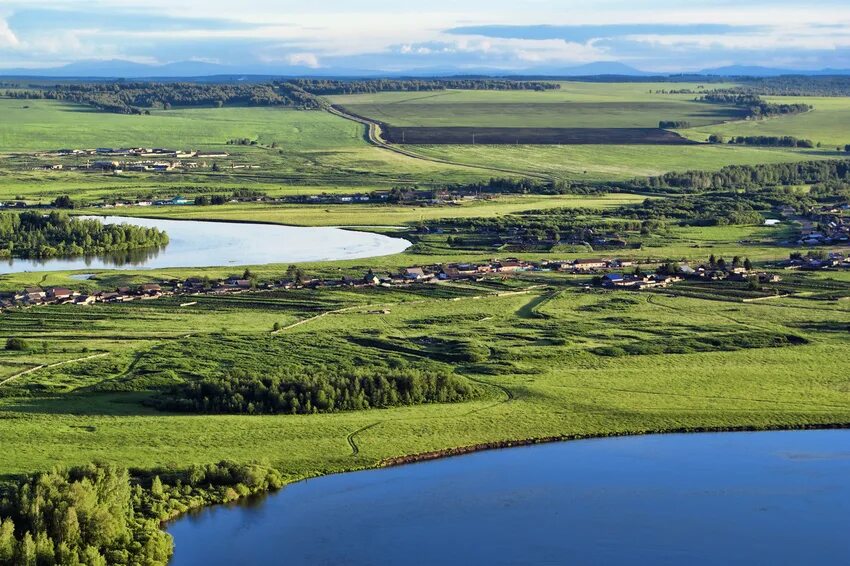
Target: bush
17	344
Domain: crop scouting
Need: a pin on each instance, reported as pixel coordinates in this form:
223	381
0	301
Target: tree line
102	514
743	176
766	141
36	235
367	86
756	106
674	125
320	389
703	210
141	97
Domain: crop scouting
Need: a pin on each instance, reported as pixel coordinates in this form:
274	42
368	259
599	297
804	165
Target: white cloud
304	60
7	36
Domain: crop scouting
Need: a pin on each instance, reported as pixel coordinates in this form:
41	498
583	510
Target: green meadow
574	105
828	124
542	377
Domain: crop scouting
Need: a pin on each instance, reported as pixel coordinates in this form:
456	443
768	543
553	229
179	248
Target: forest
139	97
743	176
101	514
330	86
320	389
34	235
797	85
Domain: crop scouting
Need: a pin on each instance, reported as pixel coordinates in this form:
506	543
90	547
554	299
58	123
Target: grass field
309	147
574	105
381	215
828	123
606	162
541	379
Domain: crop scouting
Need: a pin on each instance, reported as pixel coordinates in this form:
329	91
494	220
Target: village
611	274
118	160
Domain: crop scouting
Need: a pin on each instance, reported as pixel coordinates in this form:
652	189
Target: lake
194	243
700	499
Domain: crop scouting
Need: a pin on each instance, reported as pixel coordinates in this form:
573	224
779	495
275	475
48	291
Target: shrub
17	344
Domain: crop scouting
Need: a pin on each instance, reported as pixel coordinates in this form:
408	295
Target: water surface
705	499
194	243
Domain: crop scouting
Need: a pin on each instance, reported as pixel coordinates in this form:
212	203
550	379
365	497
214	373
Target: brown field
529	136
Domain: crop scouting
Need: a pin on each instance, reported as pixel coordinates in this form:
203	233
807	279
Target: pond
194	243
730	498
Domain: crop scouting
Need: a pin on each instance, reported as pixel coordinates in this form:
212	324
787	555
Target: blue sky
335	35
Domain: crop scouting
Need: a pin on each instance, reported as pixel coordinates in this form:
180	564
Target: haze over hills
117	68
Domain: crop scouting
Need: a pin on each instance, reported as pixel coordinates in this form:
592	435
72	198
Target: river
194	243
700	499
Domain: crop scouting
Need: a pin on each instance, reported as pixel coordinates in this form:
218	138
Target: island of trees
316	390
32	235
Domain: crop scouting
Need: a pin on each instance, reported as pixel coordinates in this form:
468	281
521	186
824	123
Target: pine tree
25	555
7	541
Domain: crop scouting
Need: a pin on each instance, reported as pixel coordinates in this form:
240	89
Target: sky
445	35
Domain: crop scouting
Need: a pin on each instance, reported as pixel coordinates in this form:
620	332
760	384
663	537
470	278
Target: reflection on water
134	258
206	244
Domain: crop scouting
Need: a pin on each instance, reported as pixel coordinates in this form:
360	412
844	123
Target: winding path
48	366
373	136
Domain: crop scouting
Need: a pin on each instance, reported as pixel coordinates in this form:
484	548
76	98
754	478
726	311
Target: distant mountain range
196	69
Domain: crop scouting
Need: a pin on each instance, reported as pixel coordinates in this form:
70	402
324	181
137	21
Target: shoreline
506	444
422	457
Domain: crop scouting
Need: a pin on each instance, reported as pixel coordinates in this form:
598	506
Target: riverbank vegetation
41	236
102	514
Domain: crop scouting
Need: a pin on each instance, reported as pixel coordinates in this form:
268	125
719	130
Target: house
613	280
510	266
371	279
589	264
34	293
85	300
59	293
413	273
449	273
151	289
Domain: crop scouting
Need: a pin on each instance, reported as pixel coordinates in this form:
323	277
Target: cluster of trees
743	176
702	210
674	124
100	514
35	235
366	86
770	141
204	200
798	85
320	389
756	106
139	97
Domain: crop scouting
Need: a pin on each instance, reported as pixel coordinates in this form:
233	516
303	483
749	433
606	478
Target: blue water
733	498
